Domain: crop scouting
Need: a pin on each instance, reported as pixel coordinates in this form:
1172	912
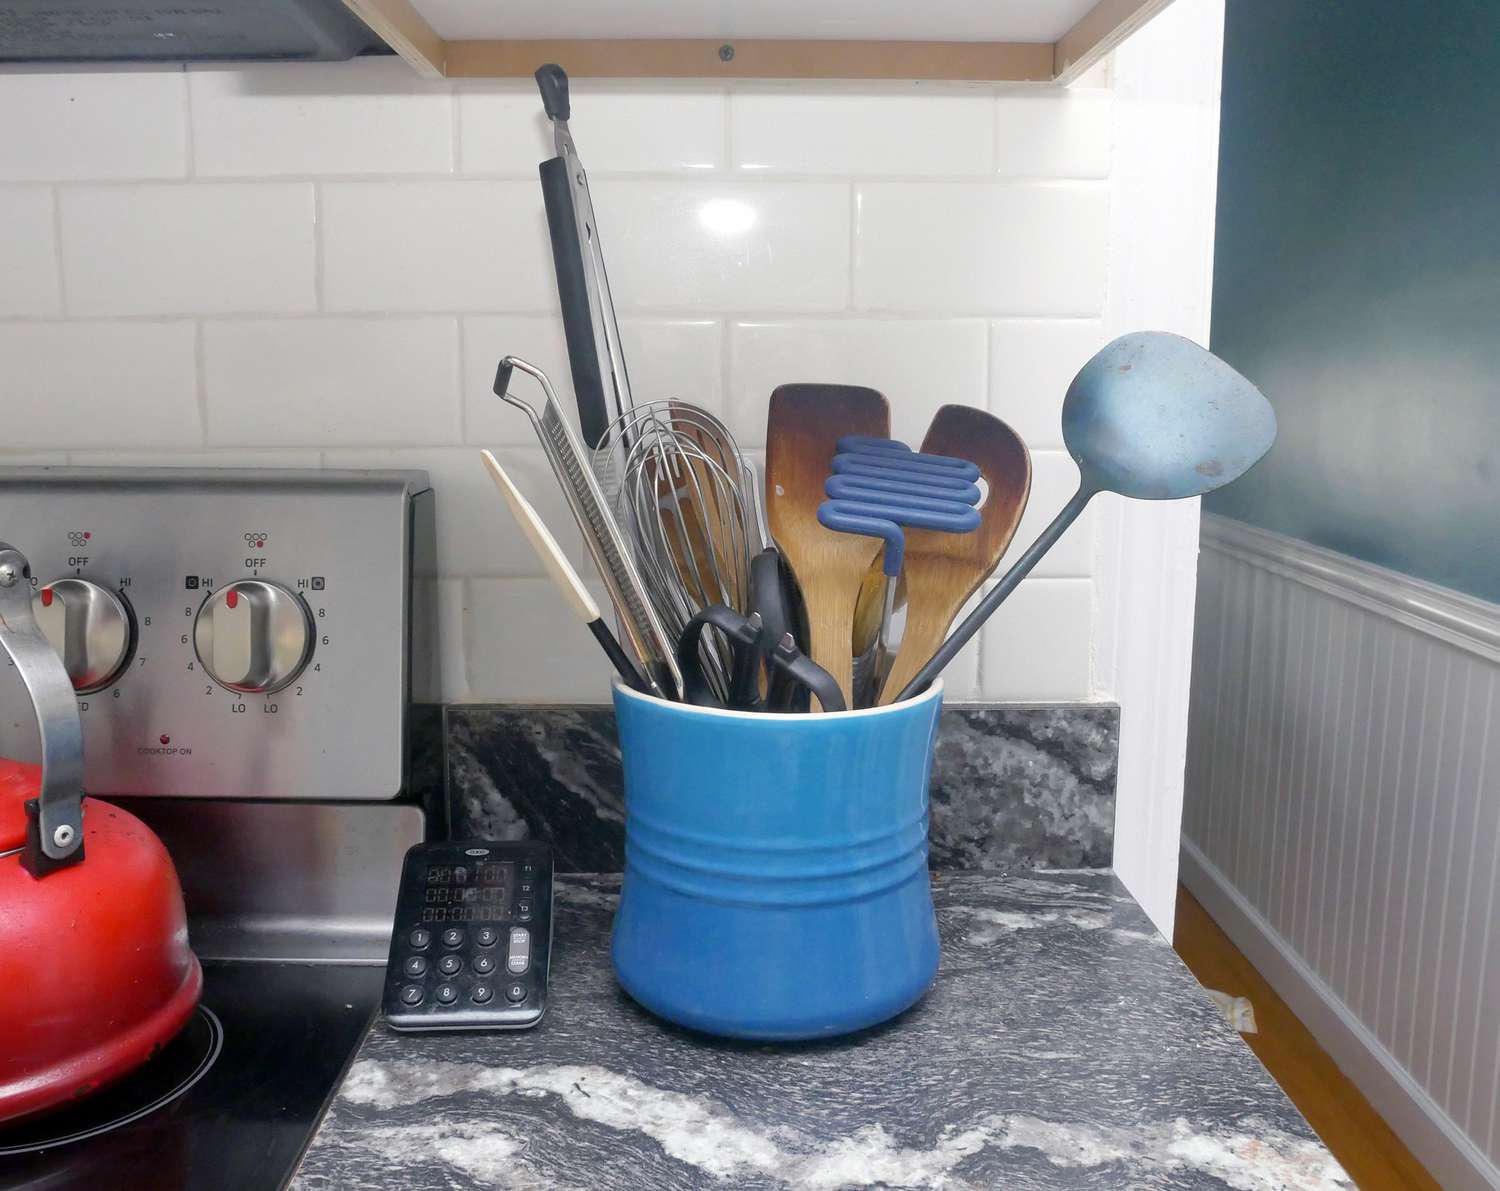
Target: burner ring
203	1035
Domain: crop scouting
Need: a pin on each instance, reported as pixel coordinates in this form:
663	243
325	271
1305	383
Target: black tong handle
552	82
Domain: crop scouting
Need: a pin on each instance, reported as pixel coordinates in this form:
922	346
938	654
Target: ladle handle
54	835
972	623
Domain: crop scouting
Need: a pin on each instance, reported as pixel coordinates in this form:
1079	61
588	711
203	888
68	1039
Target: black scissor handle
751	649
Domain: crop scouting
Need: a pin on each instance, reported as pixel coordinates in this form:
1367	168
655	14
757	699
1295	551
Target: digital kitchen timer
472	937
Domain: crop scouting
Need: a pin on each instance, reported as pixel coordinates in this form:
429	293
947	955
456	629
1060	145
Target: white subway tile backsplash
918	364
436	246
618	128
77	125
895	132
1055	134
99	385
537	339
28	252
368	116
1037	644
476	534
9	458
297	457
188	249
332	381
1032	362
1054	479
353	317
996	248
524	643
666	358
751	246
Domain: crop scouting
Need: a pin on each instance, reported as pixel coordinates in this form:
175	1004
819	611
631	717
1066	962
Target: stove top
242	1119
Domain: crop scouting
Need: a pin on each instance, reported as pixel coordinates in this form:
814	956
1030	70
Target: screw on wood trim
726	53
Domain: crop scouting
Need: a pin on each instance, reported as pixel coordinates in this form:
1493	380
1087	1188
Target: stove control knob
254	636
90	626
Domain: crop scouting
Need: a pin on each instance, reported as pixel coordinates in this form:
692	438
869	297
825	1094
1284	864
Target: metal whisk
686	498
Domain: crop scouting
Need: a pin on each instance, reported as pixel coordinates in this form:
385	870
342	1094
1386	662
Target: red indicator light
46	597
231	599
87	535
164	738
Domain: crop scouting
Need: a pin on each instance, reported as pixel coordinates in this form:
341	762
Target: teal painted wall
1357	275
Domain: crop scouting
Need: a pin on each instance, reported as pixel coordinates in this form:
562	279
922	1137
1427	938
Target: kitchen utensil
881	514
776	881
1151	416
98	972
754	650
943	570
866	464
803	427
887	481
895	453
472	938
601	533
596	357
684	495
562	572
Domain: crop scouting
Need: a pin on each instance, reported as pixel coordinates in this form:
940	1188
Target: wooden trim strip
406	31
1097	32
703	58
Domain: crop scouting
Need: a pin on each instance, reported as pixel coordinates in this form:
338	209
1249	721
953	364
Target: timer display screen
468	892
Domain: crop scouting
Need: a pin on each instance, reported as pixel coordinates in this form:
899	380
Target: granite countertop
1063	1045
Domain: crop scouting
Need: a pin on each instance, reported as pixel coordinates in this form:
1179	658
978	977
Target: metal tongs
757	654
595	356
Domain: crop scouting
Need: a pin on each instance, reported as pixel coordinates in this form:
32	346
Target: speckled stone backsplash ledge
1012	786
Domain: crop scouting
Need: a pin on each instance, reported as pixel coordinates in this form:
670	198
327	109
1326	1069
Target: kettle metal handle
54	819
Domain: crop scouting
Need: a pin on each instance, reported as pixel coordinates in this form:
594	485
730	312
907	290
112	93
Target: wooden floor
1374	1156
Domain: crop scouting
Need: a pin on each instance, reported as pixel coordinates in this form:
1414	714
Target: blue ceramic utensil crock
776	879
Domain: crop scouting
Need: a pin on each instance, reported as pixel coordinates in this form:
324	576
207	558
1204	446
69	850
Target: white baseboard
1431	1135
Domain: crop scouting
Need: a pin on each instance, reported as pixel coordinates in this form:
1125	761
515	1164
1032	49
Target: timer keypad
469	912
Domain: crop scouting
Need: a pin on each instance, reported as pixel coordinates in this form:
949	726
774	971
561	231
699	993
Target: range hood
181	31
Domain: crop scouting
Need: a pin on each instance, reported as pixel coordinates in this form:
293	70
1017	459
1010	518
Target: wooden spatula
944	569
802	432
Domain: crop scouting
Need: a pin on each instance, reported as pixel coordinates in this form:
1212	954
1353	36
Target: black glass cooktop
288	1030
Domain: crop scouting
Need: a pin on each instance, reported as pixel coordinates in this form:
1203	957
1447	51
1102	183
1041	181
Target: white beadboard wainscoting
1342	820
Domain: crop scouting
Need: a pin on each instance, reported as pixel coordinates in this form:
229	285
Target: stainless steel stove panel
332	551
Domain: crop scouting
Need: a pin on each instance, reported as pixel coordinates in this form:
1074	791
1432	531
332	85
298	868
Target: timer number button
90	627
253	636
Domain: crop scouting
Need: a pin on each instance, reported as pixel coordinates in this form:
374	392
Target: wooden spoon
943	570
802	432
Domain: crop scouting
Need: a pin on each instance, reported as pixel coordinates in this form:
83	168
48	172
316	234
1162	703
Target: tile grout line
200	380
456	127
54	195
853	240
461	345
320	288
189	137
